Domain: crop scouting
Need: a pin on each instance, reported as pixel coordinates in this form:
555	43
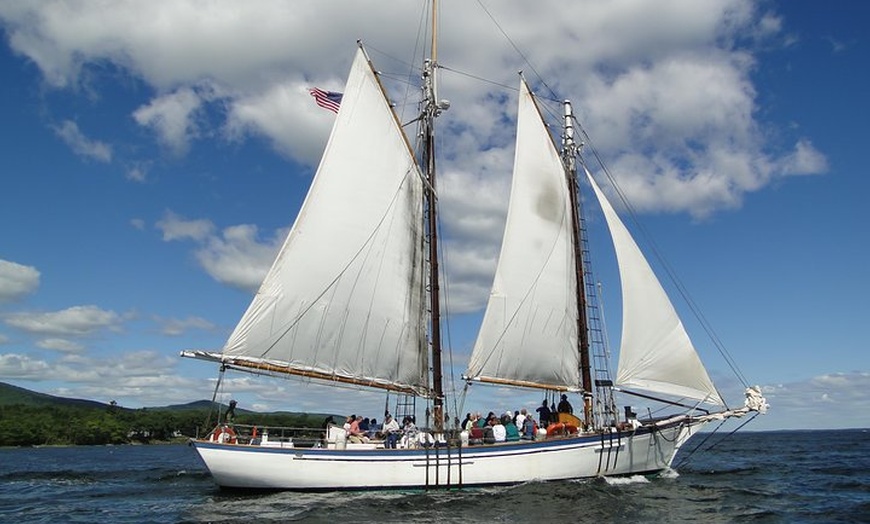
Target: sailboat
352	300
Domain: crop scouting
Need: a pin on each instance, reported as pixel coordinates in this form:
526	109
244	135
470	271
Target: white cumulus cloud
176	227
60	344
178	326
81	145
665	88
73	321
171	116
235	256
17	280
832	400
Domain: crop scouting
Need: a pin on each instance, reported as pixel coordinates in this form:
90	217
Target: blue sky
154	155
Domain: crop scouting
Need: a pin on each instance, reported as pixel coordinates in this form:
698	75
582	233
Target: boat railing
267	436
336	437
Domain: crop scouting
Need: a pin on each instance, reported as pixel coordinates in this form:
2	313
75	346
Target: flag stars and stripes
326	99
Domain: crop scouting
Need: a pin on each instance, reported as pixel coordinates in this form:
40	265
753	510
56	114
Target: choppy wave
621	481
756	477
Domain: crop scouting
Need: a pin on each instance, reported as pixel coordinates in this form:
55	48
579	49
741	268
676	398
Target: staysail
528	336
344	298
656	353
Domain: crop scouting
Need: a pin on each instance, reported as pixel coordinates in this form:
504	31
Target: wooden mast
431	110
569	151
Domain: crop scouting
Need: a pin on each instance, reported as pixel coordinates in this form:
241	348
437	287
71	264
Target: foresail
344	297
656	353
529	331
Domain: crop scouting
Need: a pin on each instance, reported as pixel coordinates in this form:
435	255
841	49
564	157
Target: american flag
326	99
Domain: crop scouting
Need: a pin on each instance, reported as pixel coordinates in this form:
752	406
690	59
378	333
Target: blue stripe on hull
483	450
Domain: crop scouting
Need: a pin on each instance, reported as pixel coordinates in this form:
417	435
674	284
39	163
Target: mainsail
344	298
529	336
529	332
656	353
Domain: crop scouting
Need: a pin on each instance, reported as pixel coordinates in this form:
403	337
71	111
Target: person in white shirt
498	431
391	432
521	418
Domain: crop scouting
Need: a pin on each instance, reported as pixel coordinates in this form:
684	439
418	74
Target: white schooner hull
255	467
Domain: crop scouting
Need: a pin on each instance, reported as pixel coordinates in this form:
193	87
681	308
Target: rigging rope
681	288
667	267
514	45
688	456
445	285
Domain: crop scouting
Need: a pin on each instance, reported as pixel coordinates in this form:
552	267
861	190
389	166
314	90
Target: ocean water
788	476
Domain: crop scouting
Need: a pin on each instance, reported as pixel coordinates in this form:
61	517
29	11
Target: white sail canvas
344	296
529	330
656	353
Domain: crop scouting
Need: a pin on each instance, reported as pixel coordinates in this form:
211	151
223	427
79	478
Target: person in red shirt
355	434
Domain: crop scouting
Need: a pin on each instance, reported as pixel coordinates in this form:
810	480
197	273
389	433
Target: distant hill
207	404
199	404
13	395
28	418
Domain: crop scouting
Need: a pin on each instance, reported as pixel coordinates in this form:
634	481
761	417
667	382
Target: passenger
355	434
528	429
409	433
498	430
488	436
475	435
374	429
521	418
327	423
544	413
565	406
391	432
466	421
231	413
512	434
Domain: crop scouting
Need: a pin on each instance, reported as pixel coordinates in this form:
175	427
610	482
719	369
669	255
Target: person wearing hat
565	406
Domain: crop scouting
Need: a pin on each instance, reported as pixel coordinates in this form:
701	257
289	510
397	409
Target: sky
155	154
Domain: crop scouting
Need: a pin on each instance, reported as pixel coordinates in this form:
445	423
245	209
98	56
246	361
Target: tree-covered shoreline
23	425
34	419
